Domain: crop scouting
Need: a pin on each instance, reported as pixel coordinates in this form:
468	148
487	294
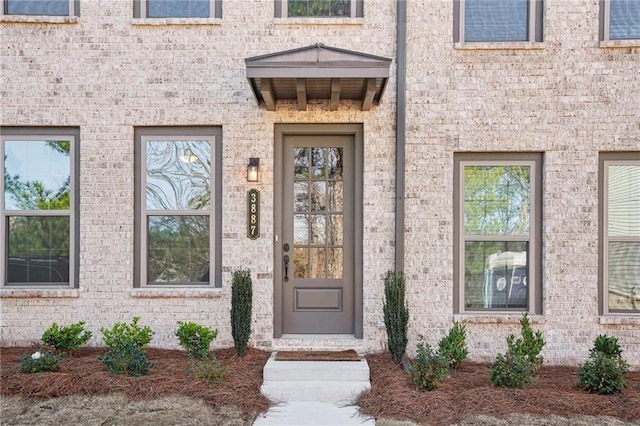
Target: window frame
214	136
281	11
534	238
605	25
74	9
607	159
140	10
38	134
535	25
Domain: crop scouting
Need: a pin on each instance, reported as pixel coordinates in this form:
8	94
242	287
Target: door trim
355	130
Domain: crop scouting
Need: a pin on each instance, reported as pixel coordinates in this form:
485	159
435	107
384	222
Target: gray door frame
356	131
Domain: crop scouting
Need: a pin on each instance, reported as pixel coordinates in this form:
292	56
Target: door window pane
317	263
335	196
301	229
318	196
178	175
38	249
319	8
624	19
301	162
496	20
335	229
496	274
178	8
318	227
37	175
334	163
334	263
496	200
38	7
301	196
301	262
178	249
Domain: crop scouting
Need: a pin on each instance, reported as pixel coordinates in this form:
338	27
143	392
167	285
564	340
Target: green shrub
127	343
605	370
241	300
209	370
396	314
608	345
429	368
195	339
453	347
511	370
66	339
38	361
529	345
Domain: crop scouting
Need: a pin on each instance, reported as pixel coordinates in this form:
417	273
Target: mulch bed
467	392
83	373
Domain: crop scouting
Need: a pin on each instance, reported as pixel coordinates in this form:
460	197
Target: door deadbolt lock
286	247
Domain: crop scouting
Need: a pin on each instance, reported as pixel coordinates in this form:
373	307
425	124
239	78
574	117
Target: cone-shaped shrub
396	314
241	299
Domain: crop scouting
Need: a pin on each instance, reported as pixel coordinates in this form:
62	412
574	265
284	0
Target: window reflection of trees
319	8
318	212
38	247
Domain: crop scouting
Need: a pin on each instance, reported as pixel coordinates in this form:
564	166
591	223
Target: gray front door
317	234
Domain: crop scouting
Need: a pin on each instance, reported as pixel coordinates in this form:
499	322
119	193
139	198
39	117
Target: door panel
317	243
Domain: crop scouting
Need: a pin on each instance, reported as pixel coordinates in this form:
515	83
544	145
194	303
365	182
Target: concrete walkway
312	413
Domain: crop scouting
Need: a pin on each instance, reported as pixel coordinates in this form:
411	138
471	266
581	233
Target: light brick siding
107	73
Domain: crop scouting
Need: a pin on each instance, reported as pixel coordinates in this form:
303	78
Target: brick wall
107	73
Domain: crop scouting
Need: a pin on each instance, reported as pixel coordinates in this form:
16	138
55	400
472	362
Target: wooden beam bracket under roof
317	72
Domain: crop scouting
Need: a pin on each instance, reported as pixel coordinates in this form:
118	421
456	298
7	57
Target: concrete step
313	413
317	381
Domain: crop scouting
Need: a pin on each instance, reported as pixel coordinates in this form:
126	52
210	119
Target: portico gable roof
317	72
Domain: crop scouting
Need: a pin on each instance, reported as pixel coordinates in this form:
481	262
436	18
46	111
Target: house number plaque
253	214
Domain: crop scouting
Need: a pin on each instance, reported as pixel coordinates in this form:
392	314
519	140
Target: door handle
285	259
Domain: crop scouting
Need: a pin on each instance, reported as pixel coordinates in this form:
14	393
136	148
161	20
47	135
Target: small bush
511	370
241	300
396	314
209	370
429	368
608	345
38	362
529	345
195	339
453	347
66	339
605	370
127	343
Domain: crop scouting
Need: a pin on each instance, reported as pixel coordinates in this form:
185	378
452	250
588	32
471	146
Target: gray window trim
605	160
74	8
535	25
140	9
38	133
535	160
213	134
280	9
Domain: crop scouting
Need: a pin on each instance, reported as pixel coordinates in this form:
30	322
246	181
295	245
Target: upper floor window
178	8
177	212
620	230
40	7
39	213
498	232
620	19
497	20
319	8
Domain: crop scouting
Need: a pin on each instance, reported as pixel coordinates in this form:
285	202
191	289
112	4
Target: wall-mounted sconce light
253	169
